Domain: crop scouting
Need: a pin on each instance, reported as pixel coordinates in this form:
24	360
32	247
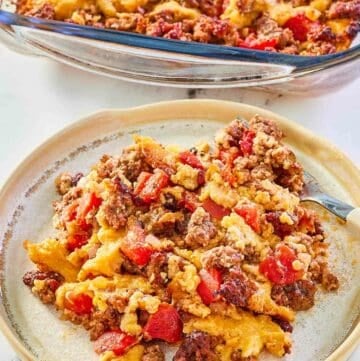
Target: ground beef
210	8
269	127
63	183
345	9
251	254
319	48
329	281
280	229
31	276
198	346
285	325
102	322
129	267
118	207
132	164
298	295
353	29
124	22
237	288
118	303
157	268
321	33
200	229
107	165
51	282
262	172
291	178
222	257
46	11
235	130
162	222
268	29
153	353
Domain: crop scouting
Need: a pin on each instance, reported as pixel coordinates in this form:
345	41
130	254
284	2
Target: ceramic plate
329	331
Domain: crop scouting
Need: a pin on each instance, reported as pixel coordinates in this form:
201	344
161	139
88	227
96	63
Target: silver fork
312	192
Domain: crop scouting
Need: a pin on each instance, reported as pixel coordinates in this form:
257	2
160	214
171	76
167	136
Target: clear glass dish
175	63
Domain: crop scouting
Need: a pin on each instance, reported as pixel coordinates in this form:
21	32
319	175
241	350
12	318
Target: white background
38	97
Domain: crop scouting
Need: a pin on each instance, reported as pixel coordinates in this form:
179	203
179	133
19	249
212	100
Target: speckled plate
329	331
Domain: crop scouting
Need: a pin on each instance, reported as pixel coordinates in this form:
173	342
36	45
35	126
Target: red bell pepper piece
190	159
251	215
116	341
75	241
228	157
165	324
148	188
80	303
134	246
141	181
256	44
300	25
209	285
189	201
87	203
246	142
278	266
216	211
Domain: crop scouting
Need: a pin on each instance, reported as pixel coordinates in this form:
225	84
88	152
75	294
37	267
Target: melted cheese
52	254
180	12
242	331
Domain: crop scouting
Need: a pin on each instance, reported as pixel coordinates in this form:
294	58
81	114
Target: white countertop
38	97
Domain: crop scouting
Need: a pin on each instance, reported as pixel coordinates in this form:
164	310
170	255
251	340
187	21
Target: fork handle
353	219
333	205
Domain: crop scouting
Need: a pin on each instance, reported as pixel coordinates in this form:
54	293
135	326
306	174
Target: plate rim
206	107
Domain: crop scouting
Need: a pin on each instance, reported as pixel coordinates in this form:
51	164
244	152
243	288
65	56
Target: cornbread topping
206	248
304	27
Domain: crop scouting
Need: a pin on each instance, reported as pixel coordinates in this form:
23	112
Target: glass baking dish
176	63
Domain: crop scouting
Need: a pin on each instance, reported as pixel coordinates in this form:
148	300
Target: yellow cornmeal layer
244	331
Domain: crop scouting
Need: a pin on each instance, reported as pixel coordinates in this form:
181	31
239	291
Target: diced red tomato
256	44
116	341
228	157
209	285
141	181
251	215
165	324
300	25
87	203
53	284
216	211
139	254
246	142
134	246
190	159
278	266
190	201
148	188
70	211
80	303
75	241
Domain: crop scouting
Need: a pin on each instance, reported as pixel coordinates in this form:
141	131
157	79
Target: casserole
176	63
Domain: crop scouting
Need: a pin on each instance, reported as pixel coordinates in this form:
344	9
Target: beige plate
329	331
